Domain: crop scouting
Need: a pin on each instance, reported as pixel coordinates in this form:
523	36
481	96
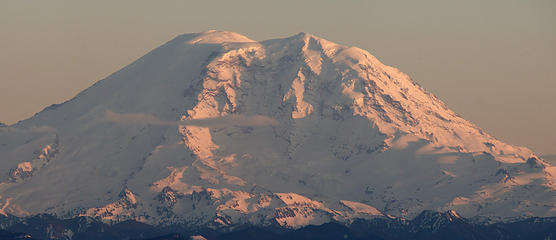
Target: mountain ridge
427	225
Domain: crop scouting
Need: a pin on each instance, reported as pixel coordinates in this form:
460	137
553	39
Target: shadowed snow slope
354	139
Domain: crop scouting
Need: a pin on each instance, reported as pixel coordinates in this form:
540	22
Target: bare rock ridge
354	139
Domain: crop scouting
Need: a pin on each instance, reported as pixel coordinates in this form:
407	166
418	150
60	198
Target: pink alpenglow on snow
215	129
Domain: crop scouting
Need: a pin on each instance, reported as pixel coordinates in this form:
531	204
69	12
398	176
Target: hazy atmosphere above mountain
492	62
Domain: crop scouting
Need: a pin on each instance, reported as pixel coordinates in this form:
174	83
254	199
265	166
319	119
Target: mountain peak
307	37
354	138
215	37
304	35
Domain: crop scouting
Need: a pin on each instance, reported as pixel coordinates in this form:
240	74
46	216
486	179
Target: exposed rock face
354	139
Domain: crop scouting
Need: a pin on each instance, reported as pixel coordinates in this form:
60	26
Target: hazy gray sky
493	62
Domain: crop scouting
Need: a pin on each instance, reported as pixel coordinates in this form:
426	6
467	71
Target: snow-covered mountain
214	129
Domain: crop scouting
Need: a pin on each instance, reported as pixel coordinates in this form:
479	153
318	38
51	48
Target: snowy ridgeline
214	129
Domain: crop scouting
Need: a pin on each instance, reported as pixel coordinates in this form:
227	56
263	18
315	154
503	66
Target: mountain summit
214	129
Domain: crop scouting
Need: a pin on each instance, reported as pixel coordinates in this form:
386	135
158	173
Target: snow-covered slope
215	129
